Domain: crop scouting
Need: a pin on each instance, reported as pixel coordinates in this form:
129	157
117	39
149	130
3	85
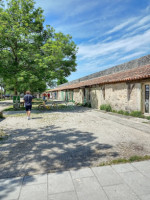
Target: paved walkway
116	182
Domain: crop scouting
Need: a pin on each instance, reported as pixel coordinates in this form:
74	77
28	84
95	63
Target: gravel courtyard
68	139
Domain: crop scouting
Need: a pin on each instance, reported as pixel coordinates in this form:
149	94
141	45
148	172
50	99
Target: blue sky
107	32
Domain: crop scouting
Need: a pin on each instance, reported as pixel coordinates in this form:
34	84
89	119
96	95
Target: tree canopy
32	54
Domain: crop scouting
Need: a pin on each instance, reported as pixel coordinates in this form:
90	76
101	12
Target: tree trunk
15	91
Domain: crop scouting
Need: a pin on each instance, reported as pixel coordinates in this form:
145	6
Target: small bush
78	104
148	117
121	112
87	105
137	114
106	107
126	113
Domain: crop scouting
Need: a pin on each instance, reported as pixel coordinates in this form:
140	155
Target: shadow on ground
48	149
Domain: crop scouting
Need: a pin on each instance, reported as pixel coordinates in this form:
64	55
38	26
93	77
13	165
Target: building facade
125	87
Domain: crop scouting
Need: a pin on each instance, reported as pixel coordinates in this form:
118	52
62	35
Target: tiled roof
124	76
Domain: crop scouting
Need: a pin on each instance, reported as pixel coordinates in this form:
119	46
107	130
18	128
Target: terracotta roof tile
123	76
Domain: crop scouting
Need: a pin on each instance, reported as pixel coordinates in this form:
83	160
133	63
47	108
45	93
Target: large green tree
32	54
62	80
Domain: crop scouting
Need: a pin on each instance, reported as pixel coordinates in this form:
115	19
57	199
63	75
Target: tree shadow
48	149
1	119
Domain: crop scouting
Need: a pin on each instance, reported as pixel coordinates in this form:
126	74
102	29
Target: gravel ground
68	139
5	104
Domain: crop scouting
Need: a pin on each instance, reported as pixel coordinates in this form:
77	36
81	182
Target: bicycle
43	107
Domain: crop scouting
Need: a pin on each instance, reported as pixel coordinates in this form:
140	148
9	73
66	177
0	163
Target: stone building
124	87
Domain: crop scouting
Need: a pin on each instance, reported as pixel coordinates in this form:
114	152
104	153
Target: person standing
44	96
28	103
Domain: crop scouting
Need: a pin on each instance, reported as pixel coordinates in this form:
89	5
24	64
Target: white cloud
82	7
132	55
139	23
121	26
136	31
51	6
67	8
121	45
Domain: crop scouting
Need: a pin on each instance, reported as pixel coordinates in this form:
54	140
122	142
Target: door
147	98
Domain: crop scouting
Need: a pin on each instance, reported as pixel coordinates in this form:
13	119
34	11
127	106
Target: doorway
146	98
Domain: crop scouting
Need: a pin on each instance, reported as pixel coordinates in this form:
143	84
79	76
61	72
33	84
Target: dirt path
68	139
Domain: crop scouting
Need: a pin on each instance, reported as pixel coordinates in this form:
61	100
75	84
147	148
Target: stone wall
87	95
95	97
59	95
117	96
78	95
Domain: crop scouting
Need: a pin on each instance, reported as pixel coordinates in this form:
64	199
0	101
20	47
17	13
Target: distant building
124	87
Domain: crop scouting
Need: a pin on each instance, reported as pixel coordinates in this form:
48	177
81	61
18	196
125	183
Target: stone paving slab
63	196
137	181
60	182
120	168
145	197
107	176
34	192
10	188
89	188
81	173
143	167
116	182
120	192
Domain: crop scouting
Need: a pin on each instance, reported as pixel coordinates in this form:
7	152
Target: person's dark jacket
28	99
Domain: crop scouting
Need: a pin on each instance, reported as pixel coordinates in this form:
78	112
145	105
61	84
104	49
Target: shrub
106	107
137	114
78	104
148	117
126	113
121	112
87	105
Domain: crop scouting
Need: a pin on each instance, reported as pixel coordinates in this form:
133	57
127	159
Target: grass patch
106	107
22	108
10	108
124	160
148	117
120	112
136	113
